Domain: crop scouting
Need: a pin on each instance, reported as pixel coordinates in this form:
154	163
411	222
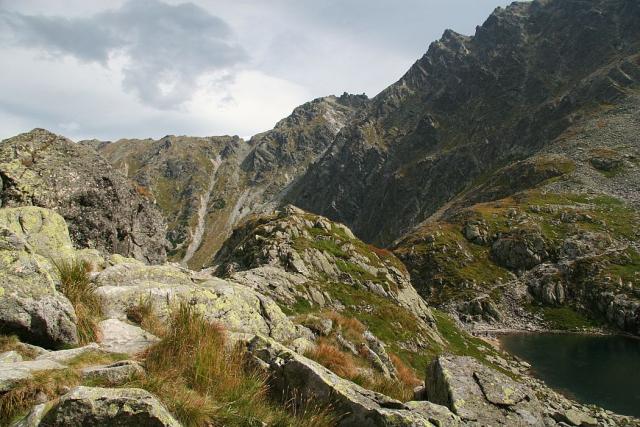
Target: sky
148	68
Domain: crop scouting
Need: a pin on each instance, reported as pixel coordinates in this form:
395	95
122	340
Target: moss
564	318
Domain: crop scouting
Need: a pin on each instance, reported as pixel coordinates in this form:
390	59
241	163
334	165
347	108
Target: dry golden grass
405	374
331	357
351	328
12	343
76	285
359	370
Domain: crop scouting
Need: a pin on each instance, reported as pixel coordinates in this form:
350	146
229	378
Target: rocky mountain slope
147	365
103	209
471	106
543	99
205	186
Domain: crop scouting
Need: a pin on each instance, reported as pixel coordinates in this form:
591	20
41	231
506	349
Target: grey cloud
163	43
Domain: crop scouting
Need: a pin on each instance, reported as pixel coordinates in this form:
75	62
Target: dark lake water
604	370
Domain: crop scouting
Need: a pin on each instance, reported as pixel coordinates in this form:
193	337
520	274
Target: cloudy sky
148	68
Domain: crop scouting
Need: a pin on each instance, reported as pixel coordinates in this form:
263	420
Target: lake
604	370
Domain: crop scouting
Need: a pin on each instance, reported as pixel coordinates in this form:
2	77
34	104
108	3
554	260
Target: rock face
205	186
102	209
480	395
107	407
30	305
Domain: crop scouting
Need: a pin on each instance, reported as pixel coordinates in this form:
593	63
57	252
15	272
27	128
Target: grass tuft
24	395
144	314
204	382
76	285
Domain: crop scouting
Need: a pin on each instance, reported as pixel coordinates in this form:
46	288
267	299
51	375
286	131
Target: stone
95	406
30	305
479	394
10	357
121	337
438	415
92	258
237	307
12	373
115	373
520	249
291	371
302	345
577	418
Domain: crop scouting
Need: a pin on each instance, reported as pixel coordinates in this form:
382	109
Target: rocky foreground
288	289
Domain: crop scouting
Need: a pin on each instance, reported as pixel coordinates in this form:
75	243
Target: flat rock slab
12	373
121	337
114	374
65	356
499	389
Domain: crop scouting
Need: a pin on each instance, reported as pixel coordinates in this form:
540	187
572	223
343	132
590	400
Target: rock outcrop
101	207
310	248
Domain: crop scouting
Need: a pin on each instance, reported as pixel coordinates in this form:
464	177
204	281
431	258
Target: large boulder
481	395
124	407
102	208
30	305
291	372
237	307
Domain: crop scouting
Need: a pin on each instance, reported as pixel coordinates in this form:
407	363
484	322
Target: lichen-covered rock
480	395
101	207
360	407
125	407
43	230
237	307
30	305
13	372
